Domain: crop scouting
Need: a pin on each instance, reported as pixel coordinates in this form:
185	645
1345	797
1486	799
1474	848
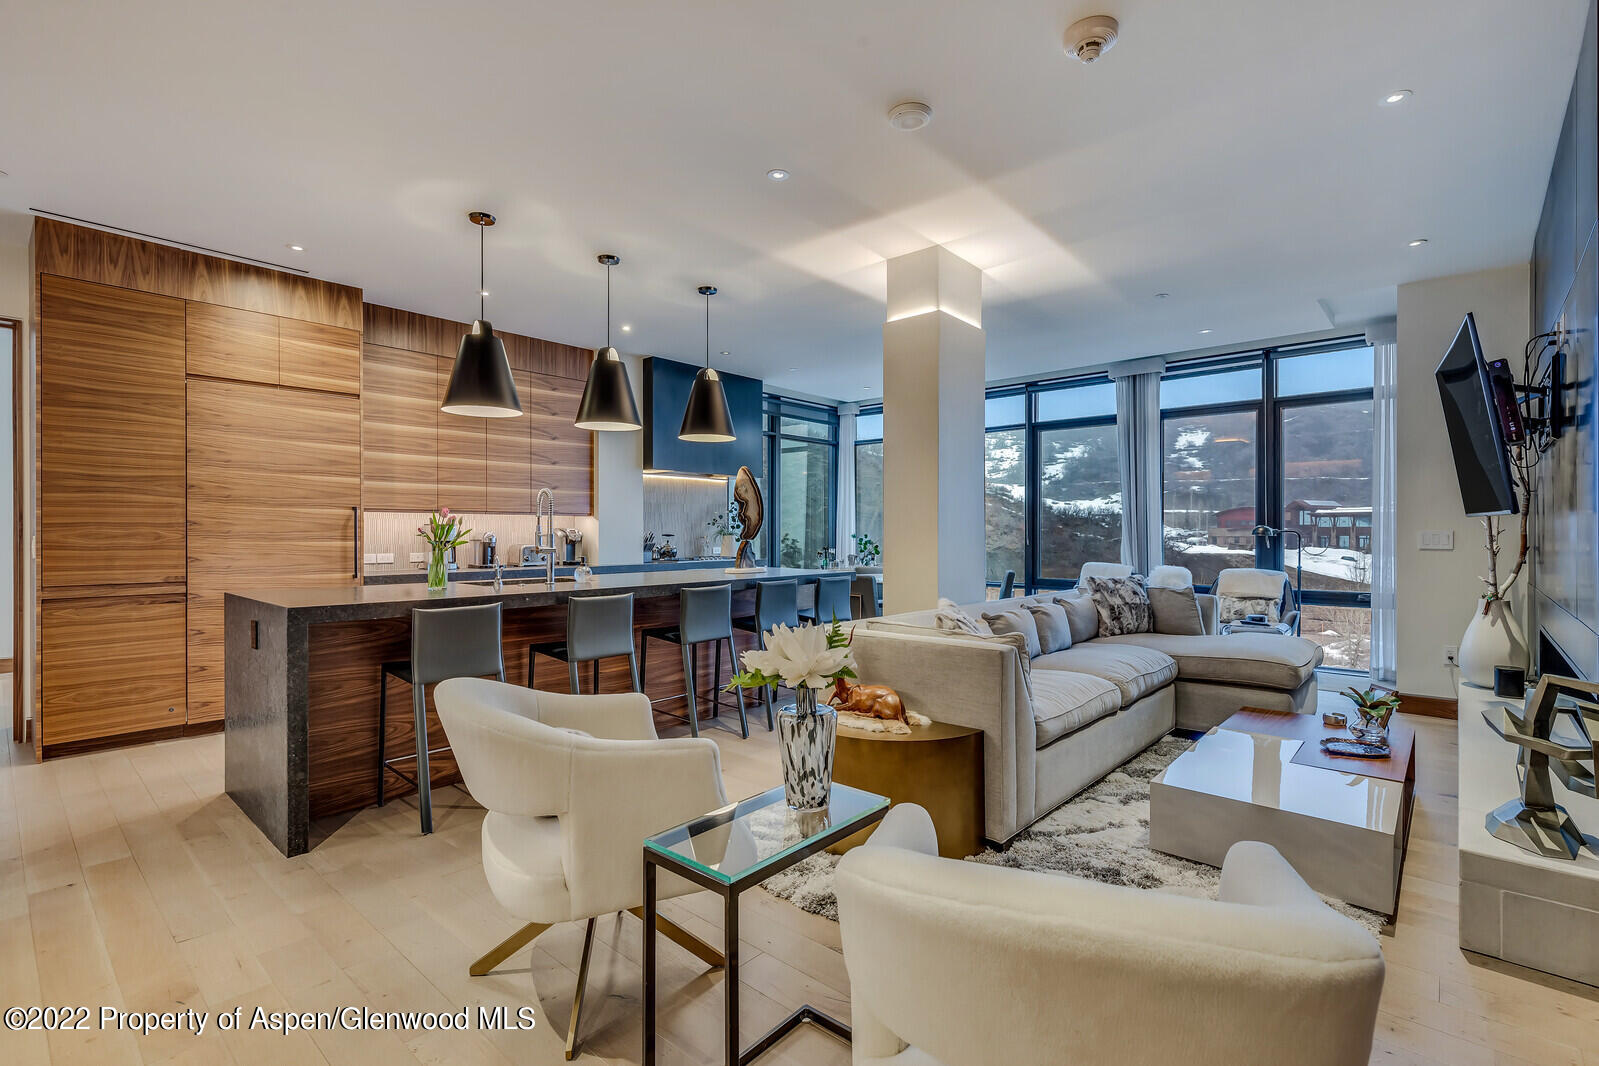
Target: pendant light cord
480	277
607	305
707	331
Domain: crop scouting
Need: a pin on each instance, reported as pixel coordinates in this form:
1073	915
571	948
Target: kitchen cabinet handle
355	570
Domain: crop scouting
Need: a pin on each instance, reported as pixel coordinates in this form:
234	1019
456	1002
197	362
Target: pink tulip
444	512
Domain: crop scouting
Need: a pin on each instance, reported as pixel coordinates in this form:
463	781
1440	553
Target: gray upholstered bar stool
832	600
597	627
446	642
705	616
776	603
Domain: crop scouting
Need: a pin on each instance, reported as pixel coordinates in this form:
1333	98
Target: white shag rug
1102	834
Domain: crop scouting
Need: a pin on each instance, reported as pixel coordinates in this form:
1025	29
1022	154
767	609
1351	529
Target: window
800	480
1005	502
869	474
1210	421
1078	480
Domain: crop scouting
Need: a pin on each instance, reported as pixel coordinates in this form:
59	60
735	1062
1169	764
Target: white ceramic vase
1492	639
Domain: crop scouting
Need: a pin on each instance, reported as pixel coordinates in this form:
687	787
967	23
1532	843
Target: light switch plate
385	557
1435	540
369	558
417	557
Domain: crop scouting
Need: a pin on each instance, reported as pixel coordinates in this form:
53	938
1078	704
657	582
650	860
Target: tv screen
1476	435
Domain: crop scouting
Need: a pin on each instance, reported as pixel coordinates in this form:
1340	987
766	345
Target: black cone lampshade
481	385
607	404
706	418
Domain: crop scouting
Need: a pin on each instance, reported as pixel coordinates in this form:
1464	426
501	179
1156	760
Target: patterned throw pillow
1016	620
951	618
1054	631
1122	604
1233	608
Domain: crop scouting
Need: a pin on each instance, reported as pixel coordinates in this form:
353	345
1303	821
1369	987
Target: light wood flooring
127	878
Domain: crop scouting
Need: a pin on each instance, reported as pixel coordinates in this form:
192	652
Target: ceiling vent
910	115
1090	38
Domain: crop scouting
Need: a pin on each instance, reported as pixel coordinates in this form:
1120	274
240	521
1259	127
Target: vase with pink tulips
443	532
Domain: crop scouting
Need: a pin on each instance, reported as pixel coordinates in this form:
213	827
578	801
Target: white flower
800	657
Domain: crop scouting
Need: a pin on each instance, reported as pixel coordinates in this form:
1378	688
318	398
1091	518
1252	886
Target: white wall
14	303
619	488
1437	590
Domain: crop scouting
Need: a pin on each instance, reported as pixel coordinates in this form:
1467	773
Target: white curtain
844	514
1384	516
1138	447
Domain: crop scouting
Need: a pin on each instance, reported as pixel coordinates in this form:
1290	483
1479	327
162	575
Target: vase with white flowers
443	532
807	660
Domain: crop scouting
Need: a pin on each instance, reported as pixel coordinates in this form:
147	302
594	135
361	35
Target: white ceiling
1231	153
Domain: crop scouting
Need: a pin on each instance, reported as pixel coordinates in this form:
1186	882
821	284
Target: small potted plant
443	532
726	527
808	660
1373	709
867	550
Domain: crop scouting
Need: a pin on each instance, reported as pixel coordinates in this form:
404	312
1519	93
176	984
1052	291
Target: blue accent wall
1565	292
666	388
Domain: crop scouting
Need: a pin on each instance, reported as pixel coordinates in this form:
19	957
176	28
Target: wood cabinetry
110	436
111	665
315	356
399	420
462	450
508	476
225	342
563	455
274	482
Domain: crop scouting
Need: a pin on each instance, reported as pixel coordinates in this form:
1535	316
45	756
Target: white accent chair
1170	576
573	785
1245	581
964	964
1089	570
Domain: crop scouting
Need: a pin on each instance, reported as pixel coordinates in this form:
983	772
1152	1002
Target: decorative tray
1355	749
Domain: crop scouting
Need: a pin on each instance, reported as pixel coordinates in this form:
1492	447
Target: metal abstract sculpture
751	513
1535	822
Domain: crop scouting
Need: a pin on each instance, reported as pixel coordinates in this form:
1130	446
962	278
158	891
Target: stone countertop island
302	679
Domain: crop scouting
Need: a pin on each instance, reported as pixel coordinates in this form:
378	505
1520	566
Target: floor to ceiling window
801	450
1210	422
869	473
1077	480
1005	485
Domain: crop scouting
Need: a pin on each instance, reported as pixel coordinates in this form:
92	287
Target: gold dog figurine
871	701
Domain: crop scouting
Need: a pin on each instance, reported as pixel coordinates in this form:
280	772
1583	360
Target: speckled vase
805	740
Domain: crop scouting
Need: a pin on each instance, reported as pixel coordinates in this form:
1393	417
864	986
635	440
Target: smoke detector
910	115
1090	38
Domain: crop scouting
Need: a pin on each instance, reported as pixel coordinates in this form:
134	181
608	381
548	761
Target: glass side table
735	848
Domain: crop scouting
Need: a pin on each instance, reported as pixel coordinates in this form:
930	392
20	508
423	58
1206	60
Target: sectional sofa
1054	724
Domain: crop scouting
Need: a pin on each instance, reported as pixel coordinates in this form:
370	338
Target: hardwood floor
128	879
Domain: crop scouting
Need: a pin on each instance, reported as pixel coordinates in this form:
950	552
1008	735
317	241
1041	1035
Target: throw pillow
1014	640
1176	611
951	618
1233	608
1122	604
1054	631
1017	620
1080	615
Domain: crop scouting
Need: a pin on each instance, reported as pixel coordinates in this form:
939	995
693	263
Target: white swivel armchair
573	785
966	964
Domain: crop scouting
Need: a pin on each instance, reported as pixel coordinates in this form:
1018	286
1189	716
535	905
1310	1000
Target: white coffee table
1261	775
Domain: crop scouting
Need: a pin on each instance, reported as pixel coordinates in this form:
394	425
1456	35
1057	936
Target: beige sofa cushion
1262	660
1081	614
1135	671
1064	702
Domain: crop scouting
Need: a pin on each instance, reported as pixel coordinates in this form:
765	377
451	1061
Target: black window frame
774	409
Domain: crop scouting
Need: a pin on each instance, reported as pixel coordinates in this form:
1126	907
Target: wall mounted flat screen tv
1476	430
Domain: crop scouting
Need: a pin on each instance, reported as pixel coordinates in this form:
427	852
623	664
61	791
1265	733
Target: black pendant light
481	385
608	397
706	419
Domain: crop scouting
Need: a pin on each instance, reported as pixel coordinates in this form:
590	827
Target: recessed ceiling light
1398	96
296	247
483	292
727	353
1162	295
1207	331
626	328
777	174
910	115
1418	242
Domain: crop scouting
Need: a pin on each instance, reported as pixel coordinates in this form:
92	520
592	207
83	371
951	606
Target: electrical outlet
385	557
1451	654
369	558
418	557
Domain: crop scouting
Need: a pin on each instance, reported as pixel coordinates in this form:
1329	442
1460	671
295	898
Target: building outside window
801	484
869	473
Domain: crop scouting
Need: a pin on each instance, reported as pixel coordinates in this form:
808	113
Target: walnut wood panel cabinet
274	486
111	453
399	423
462	451
111	665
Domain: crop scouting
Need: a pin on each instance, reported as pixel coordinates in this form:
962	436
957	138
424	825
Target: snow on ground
1342	563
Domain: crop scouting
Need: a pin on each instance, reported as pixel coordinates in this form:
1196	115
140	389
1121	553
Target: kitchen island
302	679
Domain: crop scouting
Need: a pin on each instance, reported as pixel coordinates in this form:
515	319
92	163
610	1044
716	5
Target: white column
933	375
618	530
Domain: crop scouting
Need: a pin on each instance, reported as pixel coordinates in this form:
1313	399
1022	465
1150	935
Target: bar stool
446	642
705	616
597	627
832	600
776	603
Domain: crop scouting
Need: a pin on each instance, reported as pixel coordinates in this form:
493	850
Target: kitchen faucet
544	504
